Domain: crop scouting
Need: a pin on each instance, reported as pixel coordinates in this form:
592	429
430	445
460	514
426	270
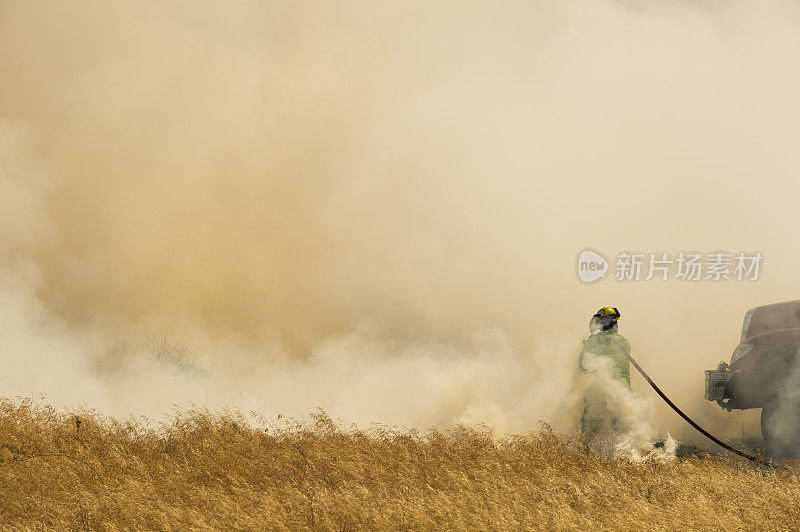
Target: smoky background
375	208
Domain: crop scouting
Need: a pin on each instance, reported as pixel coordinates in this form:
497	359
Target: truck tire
780	427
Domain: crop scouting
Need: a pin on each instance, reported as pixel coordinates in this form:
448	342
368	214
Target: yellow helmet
604	319
608	312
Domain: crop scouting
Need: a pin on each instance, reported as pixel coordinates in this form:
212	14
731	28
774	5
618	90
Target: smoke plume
375	207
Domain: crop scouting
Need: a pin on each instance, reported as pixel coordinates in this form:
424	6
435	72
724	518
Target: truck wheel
780	427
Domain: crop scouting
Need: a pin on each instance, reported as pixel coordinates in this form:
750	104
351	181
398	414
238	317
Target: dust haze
375	207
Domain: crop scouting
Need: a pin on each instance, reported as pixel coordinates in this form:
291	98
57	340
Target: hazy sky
264	180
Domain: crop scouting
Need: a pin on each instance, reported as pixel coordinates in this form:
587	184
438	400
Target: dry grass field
214	471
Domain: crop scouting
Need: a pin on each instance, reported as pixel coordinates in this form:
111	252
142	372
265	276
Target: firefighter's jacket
612	345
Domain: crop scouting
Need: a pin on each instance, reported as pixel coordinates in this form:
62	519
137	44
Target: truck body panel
766	356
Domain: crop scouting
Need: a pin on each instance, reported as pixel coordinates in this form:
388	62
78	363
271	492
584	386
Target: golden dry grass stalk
206	470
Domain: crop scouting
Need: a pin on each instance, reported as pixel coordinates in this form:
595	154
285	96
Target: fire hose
686	418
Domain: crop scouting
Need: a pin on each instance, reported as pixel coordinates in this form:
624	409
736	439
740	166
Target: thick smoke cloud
260	180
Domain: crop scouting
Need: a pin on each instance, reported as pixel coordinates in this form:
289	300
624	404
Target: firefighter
606	342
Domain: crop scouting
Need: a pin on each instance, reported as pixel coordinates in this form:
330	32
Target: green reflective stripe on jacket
612	345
